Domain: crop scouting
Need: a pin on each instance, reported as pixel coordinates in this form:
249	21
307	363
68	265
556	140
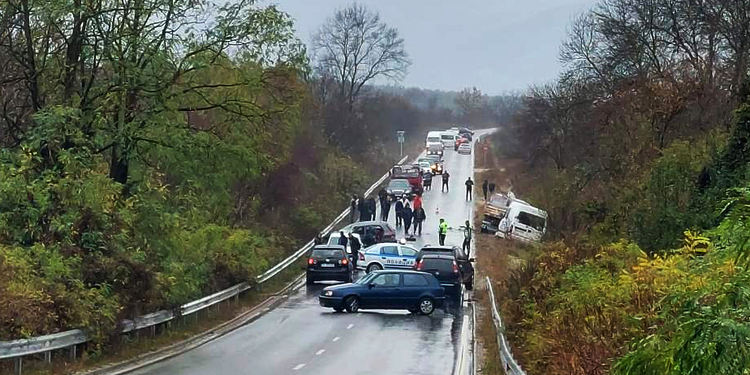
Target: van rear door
529	226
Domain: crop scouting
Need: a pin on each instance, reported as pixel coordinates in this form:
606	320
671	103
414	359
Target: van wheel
426	306
351	304
374	267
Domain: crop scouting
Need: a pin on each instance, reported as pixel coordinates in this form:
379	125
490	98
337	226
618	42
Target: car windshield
327	253
425	163
433	139
447	136
366	279
531	220
399	184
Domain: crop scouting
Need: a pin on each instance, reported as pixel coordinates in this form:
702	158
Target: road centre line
319	352
298	367
350	326
336	338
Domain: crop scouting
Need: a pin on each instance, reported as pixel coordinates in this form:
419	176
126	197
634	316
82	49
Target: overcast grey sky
496	45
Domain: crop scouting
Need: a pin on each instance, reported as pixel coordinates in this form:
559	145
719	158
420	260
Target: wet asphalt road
300	337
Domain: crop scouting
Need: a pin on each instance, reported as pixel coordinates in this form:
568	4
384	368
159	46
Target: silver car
464	149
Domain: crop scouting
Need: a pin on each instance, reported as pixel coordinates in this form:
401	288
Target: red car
459	141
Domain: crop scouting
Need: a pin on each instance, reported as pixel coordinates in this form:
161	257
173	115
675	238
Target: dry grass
133	345
495	258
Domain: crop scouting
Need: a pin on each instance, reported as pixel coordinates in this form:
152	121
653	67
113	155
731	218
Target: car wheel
351	304
426	306
374	267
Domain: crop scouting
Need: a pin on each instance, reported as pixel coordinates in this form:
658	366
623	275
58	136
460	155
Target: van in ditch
523	222
434	144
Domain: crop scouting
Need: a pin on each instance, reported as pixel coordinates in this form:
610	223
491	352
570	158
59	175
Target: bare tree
354	47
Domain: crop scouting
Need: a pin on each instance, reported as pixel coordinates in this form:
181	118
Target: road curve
300	337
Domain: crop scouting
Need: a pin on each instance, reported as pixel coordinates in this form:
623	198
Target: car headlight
328	293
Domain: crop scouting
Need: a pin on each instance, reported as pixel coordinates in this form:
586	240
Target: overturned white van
523	222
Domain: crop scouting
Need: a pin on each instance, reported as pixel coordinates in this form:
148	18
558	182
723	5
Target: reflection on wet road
300	337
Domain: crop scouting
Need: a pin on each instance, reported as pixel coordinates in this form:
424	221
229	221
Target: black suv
449	264
328	262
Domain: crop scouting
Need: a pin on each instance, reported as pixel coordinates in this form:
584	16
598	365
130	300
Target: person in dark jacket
362	208
408	215
343	241
371	208
492	187
419	217
484	189
469	187
446	176
353	205
369	239
385	209
399	212
318	240
427	181
355	246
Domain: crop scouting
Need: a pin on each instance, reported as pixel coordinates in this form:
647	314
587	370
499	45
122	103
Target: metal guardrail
17	349
509	363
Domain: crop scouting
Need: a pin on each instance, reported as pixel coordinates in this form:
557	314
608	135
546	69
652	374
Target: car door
414	285
389	256
383	292
408	256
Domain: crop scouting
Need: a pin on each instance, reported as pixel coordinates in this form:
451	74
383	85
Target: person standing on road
343	240
427	181
318	239
371	208
399	212
417	201
385	209
362	208
469	187
408	215
355	246
353	205
484	189
419	217
492	188
468	231
446	176
442	231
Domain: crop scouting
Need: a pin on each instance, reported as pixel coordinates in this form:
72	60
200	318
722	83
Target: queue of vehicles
398	275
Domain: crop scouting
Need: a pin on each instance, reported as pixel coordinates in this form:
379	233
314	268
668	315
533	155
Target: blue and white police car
387	256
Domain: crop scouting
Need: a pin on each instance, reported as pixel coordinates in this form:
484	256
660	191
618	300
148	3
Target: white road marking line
350	326
298	367
321	351
336	339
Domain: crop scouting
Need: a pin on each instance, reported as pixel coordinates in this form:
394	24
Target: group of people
362	209
410	213
487	186
466	228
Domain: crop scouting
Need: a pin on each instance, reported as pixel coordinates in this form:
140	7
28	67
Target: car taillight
311	261
418	266
344	261
362	257
455	267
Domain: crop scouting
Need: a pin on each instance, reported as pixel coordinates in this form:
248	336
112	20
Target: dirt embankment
495	256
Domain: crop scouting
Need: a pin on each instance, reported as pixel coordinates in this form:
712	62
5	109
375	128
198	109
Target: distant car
465	130
464	149
418	292
333	239
425	165
387	255
328	262
462	261
460	141
437	164
397	188
466	136
383	231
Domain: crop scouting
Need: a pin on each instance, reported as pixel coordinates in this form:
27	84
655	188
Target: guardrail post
19	365
153	331
72	353
48	357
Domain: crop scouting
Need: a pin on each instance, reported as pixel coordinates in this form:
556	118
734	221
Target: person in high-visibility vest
442	231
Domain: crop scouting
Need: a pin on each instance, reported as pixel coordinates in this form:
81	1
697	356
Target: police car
387	255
